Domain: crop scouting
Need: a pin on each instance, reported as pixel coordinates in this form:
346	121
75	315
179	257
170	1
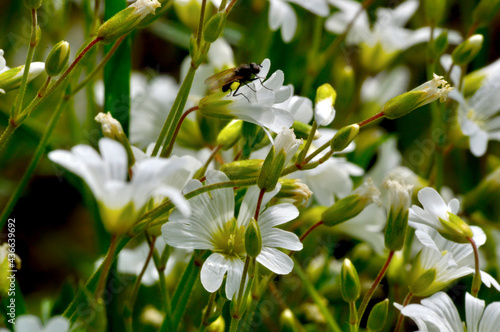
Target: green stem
208	311
318	300
374	286
7	134
353	317
239	299
476	281
170	146
200	25
101	285
176	111
135	291
306	147
29	59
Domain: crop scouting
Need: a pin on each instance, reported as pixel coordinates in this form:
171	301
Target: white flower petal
478	143
279	238
275	260
491	318
233	279
277	215
213	271
474	310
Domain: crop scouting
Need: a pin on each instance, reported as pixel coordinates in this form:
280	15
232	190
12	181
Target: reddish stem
373	118
401	317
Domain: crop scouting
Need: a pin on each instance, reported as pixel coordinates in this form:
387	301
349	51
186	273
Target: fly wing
220	79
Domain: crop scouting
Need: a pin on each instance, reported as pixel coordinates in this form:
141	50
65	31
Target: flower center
230	240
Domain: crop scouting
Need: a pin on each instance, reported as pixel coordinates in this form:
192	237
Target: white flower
282	15
212	226
3	63
460	256
434	209
110	126
324	113
439	313
300	108
399	195
120	201
479	116
287	142
30	323
145	7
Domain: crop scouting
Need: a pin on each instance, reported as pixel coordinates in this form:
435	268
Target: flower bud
57	59
467	50
188	12
421	285
288	322
441	43
352	205
344	137
286	142
349	282
219	325
303	130
437	88
378	316
110	126
11	79
214	27
242	169
324	113
296	190
397	219
230	134
8	261
190	135
434	10
485	11
216	106
455	229
126	20
33	4
271	170
253	239
375	58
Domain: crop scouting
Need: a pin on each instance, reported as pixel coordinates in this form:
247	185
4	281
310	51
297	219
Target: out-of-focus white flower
31	323
11	78
120	201
282	15
300	108
439	313
385	85
324	112
3	63
212	226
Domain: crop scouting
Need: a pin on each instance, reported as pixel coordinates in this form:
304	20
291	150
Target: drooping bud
242	169
230	134
57	58
378	316
397	218
324	113
349	282
253	239
126	20
437	88
33	4
344	137
294	189
467	50
352	205
11	79
214	27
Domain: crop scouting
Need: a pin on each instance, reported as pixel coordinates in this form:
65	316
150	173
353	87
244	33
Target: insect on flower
241	74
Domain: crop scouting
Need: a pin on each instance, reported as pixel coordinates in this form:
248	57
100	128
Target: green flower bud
344	137
253	239
485	11
467	50
378	316
57	59
219	325
242	169
349	282
294	189
437	88
271	169
230	134
214	27
11	79
33	4
352	205
302	130
8	261
397	218
126	20
434	10
421	285
324	112
455	229
375	58
288	322
190	135
188	13
441	43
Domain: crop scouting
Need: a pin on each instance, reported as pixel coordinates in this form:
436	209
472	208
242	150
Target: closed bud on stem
485	11
7	263
126	20
11	79
439	46
214	27
434	10
349	282
288	322
344	137
350	206
253	239
397	218
242	169
110	126
230	134
437	88
57	58
324	113
190	135
467	50
455	229
271	169
303	130
294	189
378	316
219	325
33	4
